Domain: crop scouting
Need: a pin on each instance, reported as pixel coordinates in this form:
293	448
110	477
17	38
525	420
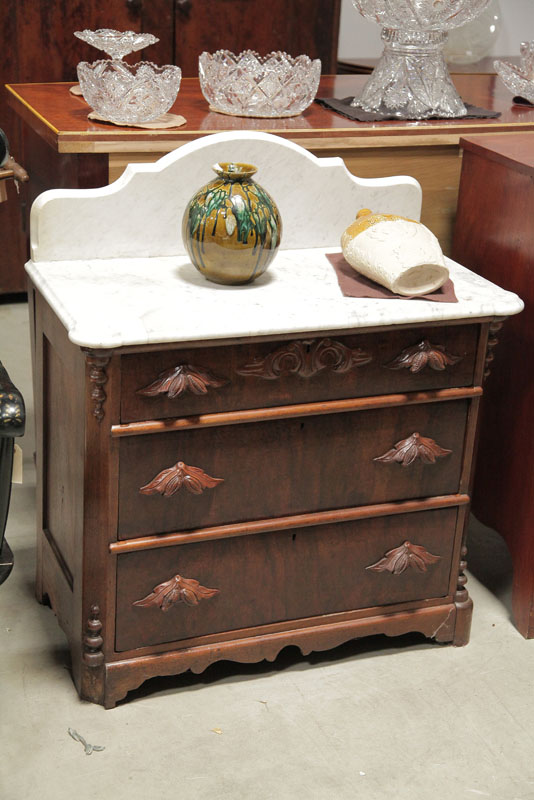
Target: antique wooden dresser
224	471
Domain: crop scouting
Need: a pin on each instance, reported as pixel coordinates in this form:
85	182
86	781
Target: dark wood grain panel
496	239
241	388
280	576
271	469
295	26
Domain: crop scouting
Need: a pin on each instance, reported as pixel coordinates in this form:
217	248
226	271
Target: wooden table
63	149
495	237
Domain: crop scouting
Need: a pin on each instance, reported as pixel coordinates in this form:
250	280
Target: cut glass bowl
520	80
249	85
121	92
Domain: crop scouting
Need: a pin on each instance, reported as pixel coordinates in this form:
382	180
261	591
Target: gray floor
377	718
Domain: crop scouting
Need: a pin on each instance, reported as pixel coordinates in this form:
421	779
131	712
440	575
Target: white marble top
107	303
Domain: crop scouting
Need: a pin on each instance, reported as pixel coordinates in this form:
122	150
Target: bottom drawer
272	577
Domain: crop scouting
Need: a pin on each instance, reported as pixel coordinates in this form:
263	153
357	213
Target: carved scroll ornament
169	481
415	446
407	555
176	590
181	379
306	358
424	354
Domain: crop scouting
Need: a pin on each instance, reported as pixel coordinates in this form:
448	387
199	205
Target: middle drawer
212	476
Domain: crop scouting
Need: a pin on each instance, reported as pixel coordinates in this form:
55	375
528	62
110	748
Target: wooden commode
224	471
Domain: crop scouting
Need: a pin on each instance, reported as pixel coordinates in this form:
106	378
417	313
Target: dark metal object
12	421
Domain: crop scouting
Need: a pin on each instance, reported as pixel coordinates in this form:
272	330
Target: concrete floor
377	718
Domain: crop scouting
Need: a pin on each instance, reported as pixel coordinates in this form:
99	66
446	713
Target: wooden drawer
291	466
282	575
276	373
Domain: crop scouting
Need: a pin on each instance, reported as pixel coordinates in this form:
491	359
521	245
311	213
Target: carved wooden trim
407	555
169	481
176	590
306	358
493	341
181	379
417	357
98	378
462	596
92	640
415	446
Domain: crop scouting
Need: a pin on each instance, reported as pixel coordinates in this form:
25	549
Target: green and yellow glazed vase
232	227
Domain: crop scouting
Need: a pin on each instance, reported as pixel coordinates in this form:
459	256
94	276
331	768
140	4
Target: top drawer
178	383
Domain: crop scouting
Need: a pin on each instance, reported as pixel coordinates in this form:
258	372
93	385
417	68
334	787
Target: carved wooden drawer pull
407	555
306	358
169	481
183	378
424	354
176	590
415	446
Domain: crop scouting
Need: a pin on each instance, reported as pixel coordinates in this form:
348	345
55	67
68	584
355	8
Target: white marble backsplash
140	214
136	301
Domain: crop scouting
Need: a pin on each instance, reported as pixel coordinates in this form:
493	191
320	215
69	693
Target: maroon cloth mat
352	284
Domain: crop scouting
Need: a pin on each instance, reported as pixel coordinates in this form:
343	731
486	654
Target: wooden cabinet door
296	26
49	51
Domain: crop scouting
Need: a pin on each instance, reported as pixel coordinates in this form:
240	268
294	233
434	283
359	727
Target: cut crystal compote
411	80
121	92
248	85
520	80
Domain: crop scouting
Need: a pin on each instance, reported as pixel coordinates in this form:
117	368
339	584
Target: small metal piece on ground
89	748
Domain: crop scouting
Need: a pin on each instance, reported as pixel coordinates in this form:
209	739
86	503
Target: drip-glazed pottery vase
231	227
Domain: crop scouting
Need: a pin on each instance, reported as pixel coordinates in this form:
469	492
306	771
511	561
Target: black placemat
344	107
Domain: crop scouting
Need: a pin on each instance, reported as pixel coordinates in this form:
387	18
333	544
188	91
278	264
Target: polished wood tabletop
60	118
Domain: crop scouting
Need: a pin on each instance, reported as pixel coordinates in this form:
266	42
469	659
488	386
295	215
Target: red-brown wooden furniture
494	236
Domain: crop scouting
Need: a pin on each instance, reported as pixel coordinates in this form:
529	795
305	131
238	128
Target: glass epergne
122	92
411	80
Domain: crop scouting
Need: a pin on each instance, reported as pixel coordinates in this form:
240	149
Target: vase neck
398	40
234	171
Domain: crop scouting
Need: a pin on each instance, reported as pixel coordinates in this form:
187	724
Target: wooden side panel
284	575
496	239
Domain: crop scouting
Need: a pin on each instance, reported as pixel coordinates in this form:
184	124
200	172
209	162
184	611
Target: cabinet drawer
272	577
195	381
188	479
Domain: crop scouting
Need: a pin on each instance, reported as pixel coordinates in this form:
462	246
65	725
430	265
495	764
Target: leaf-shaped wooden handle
407	555
414	447
169	481
183	378
176	590
416	358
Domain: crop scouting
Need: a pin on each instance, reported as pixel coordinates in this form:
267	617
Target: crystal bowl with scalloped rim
129	93
250	85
